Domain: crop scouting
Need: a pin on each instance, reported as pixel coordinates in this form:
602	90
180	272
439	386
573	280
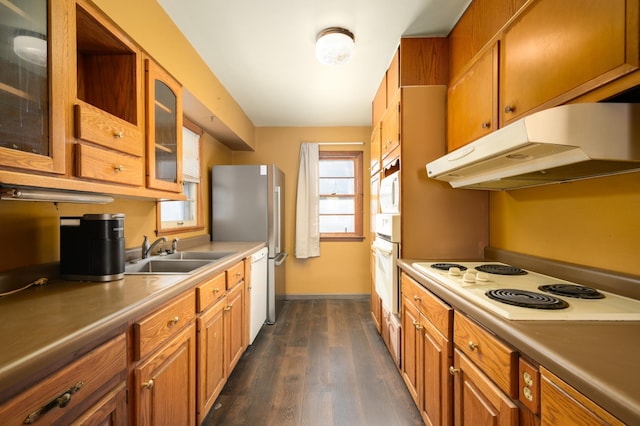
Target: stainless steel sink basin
165	266
208	255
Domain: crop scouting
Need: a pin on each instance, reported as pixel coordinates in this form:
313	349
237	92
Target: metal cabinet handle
118	168
228	308
417	299
149	384
509	109
118	134
486	124
173	321
216	290
453	371
472	346
59	401
417	325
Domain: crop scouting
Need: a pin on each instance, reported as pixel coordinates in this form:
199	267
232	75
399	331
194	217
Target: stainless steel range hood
561	144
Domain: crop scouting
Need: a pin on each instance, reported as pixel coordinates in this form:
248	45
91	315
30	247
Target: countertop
598	358
46	326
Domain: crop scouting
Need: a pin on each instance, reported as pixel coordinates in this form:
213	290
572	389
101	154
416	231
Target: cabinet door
472	102
557	50
109	411
164	129
212	372
165	383
234	320
32	116
476	399
561	404
374	163
411	347
390	131
437	390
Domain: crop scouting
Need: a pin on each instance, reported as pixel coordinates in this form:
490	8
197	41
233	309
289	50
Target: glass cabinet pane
166	133
24	76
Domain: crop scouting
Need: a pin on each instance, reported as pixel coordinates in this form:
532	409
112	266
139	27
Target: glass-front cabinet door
164	129
32	47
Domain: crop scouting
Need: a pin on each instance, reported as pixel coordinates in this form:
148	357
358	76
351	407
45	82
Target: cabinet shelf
164	148
15	91
164	107
15	9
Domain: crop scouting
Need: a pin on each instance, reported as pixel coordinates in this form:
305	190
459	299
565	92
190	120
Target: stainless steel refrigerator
247	204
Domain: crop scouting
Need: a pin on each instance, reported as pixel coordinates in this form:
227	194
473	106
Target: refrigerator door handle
279	259
277	219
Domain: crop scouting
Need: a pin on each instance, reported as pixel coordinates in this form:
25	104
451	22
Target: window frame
160	231
358	196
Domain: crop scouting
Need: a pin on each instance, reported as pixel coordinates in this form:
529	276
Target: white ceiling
262	51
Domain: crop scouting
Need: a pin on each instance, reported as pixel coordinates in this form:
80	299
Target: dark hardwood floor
322	363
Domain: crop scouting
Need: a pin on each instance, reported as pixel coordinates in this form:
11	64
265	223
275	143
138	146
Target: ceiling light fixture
334	46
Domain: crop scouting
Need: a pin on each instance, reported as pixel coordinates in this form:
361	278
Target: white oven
387	251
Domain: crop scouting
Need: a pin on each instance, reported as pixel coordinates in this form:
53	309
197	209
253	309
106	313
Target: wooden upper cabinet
423	61
379	104
390	132
374	166
32	107
555	51
472	107
393	76
164	129
482	20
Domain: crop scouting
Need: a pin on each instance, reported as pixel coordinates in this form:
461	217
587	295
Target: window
340	183
180	216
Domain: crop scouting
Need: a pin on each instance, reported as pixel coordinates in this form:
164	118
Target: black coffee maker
92	247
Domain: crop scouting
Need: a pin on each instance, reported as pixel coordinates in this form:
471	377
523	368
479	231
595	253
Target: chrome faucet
148	248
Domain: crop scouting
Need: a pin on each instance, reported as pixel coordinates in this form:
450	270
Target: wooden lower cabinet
221	335
109	411
561	404
86	389
164	384
478	401
427	352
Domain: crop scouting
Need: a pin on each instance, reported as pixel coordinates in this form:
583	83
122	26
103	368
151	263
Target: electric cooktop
518	294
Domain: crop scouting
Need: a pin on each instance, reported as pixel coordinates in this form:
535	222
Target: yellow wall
152	29
30	231
343	267
594	222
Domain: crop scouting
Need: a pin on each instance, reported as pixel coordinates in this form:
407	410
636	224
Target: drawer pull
509	109
216	290
472	346
60	401
149	384
118	168
417	325
486	124
118	134
228	308
453	371
173	321
416	298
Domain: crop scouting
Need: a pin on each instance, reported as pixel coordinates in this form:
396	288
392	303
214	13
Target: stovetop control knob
454	271
469	277
482	277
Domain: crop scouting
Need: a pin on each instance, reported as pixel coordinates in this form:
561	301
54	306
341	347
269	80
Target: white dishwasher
258	293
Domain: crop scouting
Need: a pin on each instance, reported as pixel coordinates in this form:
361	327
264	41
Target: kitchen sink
166	266
205	255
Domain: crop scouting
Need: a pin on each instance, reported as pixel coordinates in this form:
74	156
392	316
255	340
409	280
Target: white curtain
307	203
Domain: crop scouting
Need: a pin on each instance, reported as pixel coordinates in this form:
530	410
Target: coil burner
526	299
572	290
500	269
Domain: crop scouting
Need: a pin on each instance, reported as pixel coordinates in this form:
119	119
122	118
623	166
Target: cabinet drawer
84	381
210	291
109	166
235	275
155	329
102	128
434	309
497	360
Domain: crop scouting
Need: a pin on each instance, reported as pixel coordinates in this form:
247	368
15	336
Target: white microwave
389	194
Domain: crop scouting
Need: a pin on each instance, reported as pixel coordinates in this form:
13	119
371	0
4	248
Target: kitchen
589	222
